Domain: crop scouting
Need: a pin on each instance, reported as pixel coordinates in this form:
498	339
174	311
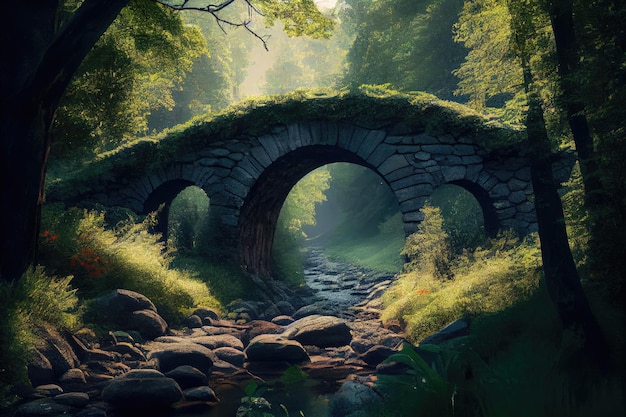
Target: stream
346	291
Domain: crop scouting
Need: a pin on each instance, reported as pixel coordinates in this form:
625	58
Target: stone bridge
247	161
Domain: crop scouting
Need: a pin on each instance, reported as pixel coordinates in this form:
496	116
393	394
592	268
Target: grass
380	252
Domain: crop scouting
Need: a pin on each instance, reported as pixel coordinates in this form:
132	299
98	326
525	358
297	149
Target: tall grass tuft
32	301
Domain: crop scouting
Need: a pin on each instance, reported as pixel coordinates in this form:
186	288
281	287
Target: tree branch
215	9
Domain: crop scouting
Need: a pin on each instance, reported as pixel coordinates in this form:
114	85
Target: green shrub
128	256
33	300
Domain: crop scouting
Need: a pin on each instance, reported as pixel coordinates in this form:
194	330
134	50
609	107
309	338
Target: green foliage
486	281
299	17
428	249
36	299
131	71
462	216
407	44
425	388
128	257
187	219
297	212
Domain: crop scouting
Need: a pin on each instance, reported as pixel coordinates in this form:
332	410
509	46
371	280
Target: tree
40	55
560	272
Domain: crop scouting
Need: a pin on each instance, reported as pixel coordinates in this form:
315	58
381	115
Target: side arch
164	194
490	216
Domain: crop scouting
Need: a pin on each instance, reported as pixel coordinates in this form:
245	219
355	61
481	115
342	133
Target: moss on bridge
372	107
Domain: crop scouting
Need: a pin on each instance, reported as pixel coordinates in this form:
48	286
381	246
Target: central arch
259	214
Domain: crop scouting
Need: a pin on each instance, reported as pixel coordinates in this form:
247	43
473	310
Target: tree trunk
567	50
561	276
38	65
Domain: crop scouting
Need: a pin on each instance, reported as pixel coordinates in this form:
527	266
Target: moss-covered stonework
248	158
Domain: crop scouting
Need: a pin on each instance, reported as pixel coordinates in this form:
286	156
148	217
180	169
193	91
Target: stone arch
259	213
490	216
164	194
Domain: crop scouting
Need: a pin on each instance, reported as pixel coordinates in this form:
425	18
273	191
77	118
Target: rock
204	312
48	390
177	354
376	354
187	376
73	380
91	412
142	389
56	350
308	310
40	370
126	349
119	304
218	341
352	397
230	355
321	331
73	399
259	327
270	312
270	347
148	323
119	336
458	328
283	320
42	407
193	322
204	394
285	308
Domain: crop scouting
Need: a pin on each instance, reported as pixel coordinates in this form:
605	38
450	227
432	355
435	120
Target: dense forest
81	79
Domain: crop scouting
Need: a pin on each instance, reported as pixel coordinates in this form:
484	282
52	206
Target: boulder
128	350
259	327
308	310
218	341
270	347
204	312
321	331
148	323
142	389
458	328
56	350
376	354
119	304
204	394
40	370
283	320
73	399
230	355
353	396
42	407
193	322
187	376
174	355
285	308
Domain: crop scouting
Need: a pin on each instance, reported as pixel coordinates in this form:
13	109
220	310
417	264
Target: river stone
148	323
187	376
141	389
42	407
204	312
283	320
49	390
127	349
40	370
308	310
230	355
193	322
204	394
177	354
119	304
218	341
376	354
352	397
56	350
321	331
259	327
73	399
271	347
